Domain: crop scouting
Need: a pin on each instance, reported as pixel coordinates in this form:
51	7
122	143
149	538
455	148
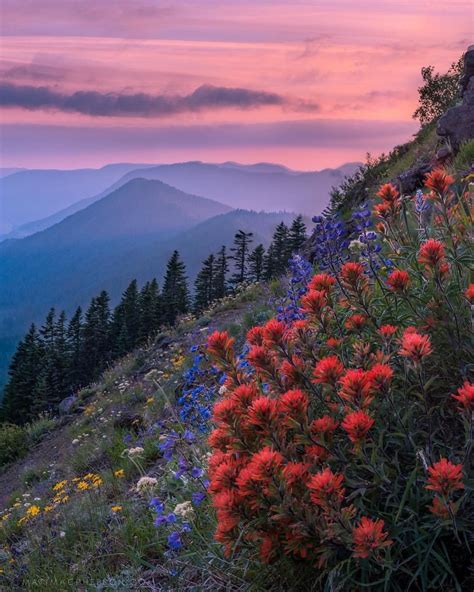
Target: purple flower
174	541
197	472
198	497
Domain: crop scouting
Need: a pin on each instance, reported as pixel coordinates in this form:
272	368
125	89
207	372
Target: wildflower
83	486
333	342
439	181
260	358
353	276
381	376
326	489
265	464
294	404
368	536
445	477
274	333
431	253
33	511
184	510
356	387
357	424
415	347
469	293
156	505
198	497
296	473
262	414
322	282
356	323
387	331
116	509
388	193
119	473
324	426
60	485
442	508
137	451
465	396
328	370
313	302
174	541
145	483
398	281
220	345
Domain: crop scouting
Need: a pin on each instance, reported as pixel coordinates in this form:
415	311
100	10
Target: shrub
342	444
36	430
465	157
13	443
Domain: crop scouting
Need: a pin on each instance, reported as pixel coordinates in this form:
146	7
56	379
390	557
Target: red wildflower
262	414
356	387
225	411
445	477
368	536
382	210
439	181
293	370
255	336
313	302
243	396
465	396
265	464
381	376
387	331
388	193
469	293
431	253
220	439
326	489
294	405
357	424
440	508
322	282
398	280
296	473
224	475
323	426
274	333
261	359
315	454
353	276
356	323
415	347
328	370
220	345
333	342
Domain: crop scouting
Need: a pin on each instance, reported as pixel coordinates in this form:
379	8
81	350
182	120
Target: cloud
94	103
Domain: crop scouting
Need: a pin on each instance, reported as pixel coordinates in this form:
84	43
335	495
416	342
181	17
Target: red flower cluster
465	397
415	347
398	281
445	477
390	204
432	254
439	181
369	536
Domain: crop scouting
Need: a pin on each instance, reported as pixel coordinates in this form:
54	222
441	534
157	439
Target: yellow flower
48	509
2	570
119	473
116	509
150	401
97	482
17	505
33	511
60	485
6	517
82	486
76	479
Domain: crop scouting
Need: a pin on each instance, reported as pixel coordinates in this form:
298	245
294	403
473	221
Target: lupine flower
465	397
356	387
328	370
357	424
174	541
369	536
469	293
445	477
439	181
431	253
415	347
198	497
398	281
326	489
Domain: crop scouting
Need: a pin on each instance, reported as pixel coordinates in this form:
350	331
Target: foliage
438	92
13	443
464	157
343	440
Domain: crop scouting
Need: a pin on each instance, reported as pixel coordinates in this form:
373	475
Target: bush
13	443
37	430
465	157
341	447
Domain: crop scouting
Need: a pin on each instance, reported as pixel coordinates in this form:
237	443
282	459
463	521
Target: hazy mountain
29	195
5	171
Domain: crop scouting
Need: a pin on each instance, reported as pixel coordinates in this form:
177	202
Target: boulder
66	405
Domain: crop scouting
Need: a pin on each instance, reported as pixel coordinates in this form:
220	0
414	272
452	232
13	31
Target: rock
413	178
457	124
444	153
66	405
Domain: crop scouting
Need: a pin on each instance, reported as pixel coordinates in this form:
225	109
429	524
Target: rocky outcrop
457	124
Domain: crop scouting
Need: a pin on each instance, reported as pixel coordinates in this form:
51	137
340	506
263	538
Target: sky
309	84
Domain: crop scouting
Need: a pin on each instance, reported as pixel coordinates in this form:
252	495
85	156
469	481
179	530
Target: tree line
55	360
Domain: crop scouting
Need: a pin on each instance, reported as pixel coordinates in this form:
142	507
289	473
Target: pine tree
175	293
281	250
23	376
242	242
75	346
204	284
256	260
97	351
297	234
220	276
125	324
150	310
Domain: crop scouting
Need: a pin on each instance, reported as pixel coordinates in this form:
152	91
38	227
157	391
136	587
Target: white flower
356	245
145	483
184	510
62	534
137	451
223	389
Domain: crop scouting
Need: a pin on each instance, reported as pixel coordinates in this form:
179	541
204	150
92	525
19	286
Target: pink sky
319	82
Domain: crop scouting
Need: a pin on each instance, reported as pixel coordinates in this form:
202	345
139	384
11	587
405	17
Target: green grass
465	157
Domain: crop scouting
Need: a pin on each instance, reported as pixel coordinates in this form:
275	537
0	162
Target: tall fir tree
269	264
220	276
23	375
281	249
204	285
75	346
150	310
125	323
297	234
256	263
242	242
97	351
175	293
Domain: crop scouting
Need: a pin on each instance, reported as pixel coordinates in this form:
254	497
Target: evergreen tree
204	284
269	263
23	375
220	276
175	290
96	352
150	310
125	324
242	242
297	234
75	346
281	250
256	260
